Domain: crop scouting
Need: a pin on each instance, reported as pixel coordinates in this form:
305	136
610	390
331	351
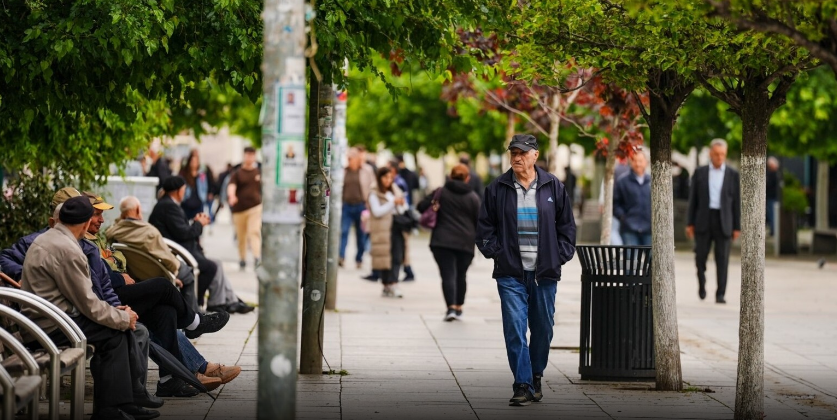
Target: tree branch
763	23
515	111
642	109
733	100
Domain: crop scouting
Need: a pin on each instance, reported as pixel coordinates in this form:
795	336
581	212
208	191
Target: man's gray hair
719	142
128	203
352	152
57	211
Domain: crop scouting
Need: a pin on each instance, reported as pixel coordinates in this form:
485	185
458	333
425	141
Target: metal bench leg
54	391
77	404
34	406
9	403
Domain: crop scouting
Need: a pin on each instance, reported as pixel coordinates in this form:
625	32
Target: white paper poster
290	160
291	110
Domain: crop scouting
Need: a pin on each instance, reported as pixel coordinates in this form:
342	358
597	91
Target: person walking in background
475	180
714	215
244	193
159	167
774	187
569	183
526	226
405	187
452	240
632	202
200	186
221	188
357	182
386	200
621	169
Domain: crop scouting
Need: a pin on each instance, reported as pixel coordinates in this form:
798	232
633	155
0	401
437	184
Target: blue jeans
770	216
525	303
634	238
189	355
351	216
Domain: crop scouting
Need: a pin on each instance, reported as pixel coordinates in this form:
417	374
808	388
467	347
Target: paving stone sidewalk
404	362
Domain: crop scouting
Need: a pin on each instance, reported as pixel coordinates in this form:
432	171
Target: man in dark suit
714	215
168	217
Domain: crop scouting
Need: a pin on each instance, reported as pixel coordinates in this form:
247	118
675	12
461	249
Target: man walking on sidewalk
244	193
526	226
632	203
714	215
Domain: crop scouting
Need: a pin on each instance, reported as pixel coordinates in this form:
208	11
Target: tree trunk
755	117
335	212
668	93
554	126
510	124
821	211
607	214
315	235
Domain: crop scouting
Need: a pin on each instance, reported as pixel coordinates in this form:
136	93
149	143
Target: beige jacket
56	269
367	179
380	231
145	237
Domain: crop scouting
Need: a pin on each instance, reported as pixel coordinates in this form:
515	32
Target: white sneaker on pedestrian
396	293
387	292
451	315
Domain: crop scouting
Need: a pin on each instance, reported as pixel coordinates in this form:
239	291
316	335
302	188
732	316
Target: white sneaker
387	292
396	293
451	315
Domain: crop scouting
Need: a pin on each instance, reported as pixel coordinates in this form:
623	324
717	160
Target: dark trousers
143	297
703	241
453	267
207	274
185	274
161	308
397	249
115	366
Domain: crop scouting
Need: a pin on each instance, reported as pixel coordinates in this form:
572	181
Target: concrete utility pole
283	127
320	111
339	147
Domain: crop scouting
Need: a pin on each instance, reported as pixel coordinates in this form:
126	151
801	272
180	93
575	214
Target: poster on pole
291	110
290	162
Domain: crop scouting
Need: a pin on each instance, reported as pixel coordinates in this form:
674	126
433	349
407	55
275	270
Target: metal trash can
617	324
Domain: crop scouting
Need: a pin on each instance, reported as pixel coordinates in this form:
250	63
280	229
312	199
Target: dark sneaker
451	315
139	413
371	277
145	399
459	314
110	413
522	396
536	383
239	308
242	265
176	387
210	323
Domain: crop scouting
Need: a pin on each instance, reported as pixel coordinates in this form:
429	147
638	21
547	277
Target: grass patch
341	372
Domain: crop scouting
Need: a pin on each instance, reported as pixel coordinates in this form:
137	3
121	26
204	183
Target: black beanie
76	210
173	183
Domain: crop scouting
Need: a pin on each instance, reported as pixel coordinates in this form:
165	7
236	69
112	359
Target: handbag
428	217
364	220
404	222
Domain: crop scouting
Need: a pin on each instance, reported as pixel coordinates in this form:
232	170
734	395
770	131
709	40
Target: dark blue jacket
632	203
11	263
497	227
11	259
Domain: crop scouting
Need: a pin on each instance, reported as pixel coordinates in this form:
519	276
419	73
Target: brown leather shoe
226	373
209	382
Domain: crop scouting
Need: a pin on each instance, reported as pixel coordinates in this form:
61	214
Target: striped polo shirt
527	223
